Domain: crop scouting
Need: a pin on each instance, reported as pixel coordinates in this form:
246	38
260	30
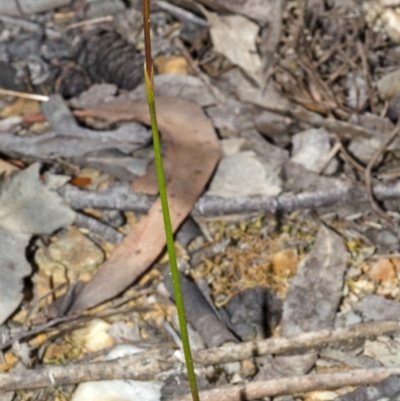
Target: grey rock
253	313
375	307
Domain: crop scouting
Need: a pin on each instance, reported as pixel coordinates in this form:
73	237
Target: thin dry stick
362	52
99	20
148	365
296	384
35	304
40	98
335	149
123	198
385	109
348	157
236	352
54	323
368	169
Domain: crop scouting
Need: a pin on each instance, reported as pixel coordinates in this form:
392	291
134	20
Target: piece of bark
200	314
69	139
315	291
193	151
69	144
311	302
117	196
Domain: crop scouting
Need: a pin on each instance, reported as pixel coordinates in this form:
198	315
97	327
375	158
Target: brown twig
148	365
124	198
327	55
359	167
367	75
35	304
296	384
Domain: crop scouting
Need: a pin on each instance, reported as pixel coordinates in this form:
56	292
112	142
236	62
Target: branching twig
26	334
149	364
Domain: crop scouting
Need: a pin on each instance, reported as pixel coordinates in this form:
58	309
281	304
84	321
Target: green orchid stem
148	73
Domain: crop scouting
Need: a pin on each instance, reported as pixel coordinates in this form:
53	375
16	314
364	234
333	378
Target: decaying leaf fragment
192	152
27	206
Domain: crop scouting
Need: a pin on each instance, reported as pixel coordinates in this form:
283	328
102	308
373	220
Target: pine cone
107	57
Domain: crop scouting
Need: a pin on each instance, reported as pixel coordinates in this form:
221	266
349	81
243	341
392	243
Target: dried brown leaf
192	150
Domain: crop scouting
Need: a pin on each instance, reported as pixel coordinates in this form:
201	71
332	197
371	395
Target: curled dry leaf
192	151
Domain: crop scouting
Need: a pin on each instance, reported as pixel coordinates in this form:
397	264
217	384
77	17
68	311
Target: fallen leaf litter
258	251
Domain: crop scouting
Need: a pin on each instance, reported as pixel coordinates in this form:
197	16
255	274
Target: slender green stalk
148	74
